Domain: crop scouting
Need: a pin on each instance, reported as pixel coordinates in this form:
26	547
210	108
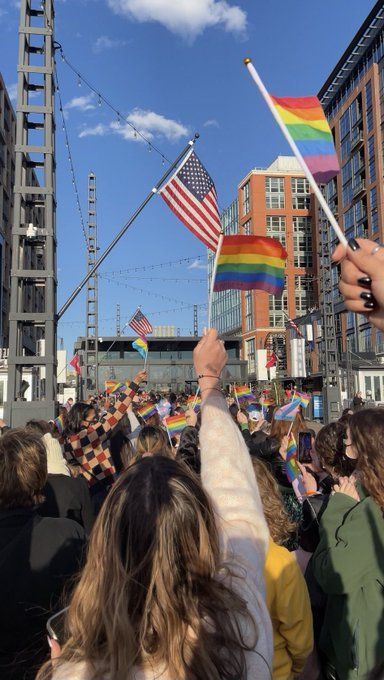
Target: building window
300	193
247	227
274	192
2	393
251	355
373	208
246	198
276	307
368	105
371	159
365	339
302	242
380	342
275	228
248	310
304	294
345	124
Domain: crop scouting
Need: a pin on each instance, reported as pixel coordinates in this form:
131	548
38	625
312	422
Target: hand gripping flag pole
316	189
121	233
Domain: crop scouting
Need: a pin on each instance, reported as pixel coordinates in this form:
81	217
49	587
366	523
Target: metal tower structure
118	320
91	372
329	358
32	320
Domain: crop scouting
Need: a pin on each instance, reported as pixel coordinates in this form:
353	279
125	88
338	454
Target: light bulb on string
62	56
99	100
78	80
149	148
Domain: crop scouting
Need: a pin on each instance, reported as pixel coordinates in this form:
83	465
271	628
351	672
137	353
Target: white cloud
151	123
12	91
84	103
96	131
212	122
197	264
104	42
188	18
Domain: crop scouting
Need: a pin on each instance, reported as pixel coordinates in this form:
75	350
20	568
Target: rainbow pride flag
304	398
243	392
175	424
291	467
305	121
251	262
114	387
141	346
147	410
59	424
288	411
194	402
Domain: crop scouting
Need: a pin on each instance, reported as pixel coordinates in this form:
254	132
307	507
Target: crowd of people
141	555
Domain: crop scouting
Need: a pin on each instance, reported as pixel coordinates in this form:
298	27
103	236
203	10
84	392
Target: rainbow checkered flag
288	411
291	467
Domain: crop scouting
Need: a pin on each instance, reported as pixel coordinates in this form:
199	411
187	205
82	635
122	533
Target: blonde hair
279	524
280	428
150	593
153	440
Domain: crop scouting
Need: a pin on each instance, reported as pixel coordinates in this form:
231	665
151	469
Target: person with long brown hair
349	561
286	592
153	441
173	585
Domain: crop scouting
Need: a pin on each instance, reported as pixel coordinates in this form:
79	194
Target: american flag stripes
191	195
294	326
139	323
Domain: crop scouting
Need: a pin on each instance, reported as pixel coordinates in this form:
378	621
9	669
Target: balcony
358	188
357	138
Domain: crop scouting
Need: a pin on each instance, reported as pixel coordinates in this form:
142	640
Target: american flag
294	326
140	323
191	195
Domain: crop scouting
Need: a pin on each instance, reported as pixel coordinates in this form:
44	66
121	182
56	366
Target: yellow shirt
290	610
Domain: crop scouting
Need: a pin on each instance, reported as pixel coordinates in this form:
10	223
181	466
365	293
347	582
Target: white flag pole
291	142
216	262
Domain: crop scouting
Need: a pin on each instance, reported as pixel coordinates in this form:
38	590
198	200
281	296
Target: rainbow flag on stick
147	410
194	402
251	262
288	411
59	424
243	393
304	398
175	424
141	346
114	387
291	467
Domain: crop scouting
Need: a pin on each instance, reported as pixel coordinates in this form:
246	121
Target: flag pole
126	226
214	270
196	395
236	397
316	189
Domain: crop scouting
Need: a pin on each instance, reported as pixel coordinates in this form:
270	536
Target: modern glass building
226	307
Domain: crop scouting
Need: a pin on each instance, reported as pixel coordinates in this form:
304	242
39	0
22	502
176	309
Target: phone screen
56	626
305	447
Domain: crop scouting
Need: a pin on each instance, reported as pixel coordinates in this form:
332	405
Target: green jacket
349	566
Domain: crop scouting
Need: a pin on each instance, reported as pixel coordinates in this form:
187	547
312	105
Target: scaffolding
92	301
32	319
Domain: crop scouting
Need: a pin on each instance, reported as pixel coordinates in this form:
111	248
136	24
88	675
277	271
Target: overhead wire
148	267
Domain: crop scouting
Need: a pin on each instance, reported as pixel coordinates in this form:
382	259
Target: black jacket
68	497
260	445
38	558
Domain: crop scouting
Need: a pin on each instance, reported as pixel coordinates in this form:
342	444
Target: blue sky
172	67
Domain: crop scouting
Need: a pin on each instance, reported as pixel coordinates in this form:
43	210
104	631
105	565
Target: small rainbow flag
194	402
266	403
59	424
291	467
243	392
304	398
175	424
250	262
288	411
141	346
114	387
305	121
147	410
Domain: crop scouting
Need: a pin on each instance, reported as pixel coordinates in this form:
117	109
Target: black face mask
348	466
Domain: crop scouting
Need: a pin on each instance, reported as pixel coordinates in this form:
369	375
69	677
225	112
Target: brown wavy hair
153	440
329	447
151	592
280	428
279	524
366	429
23	469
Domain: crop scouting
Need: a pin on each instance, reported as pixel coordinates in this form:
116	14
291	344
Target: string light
151	293
70	159
136	133
156	278
99	100
148	267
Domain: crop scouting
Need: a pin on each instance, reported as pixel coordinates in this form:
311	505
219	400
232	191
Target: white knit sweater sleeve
227	475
